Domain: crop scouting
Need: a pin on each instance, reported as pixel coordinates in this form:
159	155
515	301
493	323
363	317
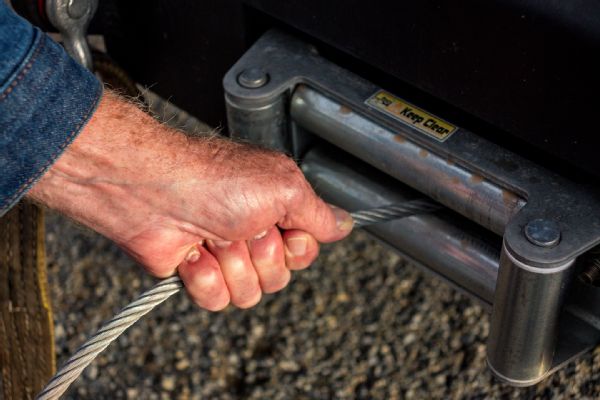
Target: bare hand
232	219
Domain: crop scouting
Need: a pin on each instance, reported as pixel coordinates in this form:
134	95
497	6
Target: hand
232	219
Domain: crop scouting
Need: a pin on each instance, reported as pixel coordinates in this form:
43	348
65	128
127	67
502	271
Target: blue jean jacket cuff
43	107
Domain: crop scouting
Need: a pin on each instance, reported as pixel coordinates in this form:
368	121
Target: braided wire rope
164	289
394	211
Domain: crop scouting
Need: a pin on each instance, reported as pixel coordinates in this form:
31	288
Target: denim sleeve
46	98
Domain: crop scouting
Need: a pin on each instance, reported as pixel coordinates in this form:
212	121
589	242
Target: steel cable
112	329
394	211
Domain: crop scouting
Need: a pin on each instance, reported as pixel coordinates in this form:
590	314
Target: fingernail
297	245
343	219
192	256
260	235
222	244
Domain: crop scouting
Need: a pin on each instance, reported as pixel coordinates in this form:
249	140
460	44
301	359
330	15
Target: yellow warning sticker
411	115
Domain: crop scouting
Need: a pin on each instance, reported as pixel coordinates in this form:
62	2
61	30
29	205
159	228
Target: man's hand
233	219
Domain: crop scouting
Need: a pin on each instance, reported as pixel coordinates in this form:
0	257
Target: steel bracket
546	221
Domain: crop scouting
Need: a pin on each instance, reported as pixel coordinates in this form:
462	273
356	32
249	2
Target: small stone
409	338
233	359
92	372
182	364
258	330
168	382
59	332
440	379
289	366
343	297
332	322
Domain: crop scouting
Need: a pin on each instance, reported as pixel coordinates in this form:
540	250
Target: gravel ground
360	323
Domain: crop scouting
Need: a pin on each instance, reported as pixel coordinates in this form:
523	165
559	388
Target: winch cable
112	329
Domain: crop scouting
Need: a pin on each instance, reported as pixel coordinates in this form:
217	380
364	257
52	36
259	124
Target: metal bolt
542	232
253	78
77	8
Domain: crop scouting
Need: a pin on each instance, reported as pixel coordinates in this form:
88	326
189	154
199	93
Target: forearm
96	174
106	172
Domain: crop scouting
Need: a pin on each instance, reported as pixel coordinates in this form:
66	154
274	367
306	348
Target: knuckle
289	169
285	163
290	180
248	302
212	305
298	189
280	282
206	282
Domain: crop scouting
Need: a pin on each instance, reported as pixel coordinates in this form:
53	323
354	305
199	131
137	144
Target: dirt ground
360	323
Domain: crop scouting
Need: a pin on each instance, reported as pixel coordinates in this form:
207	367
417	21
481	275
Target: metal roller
440	178
452	247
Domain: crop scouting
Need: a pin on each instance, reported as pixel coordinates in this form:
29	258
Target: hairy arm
233	218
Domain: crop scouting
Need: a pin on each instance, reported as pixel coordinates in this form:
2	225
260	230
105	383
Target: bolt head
542	232
253	78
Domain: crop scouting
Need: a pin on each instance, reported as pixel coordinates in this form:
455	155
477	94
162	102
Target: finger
238	271
301	249
267	254
203	280
312	215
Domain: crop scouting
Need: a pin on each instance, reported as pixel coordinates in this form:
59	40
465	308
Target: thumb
325	222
